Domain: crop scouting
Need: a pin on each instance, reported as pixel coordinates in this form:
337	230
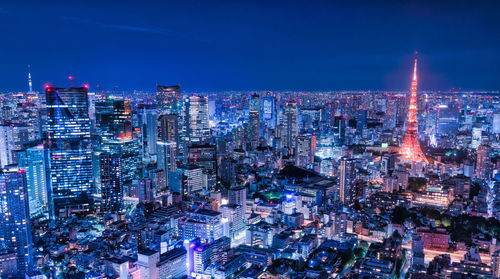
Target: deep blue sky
251	45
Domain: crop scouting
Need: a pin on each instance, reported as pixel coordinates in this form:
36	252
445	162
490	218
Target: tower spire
410	150
30	84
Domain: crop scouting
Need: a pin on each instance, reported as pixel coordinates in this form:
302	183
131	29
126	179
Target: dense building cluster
169	184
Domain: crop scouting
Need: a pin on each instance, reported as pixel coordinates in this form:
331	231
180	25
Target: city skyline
324	45
250	140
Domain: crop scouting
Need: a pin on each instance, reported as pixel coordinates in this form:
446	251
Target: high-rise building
238	195
117	136
168	144
33	159
148	122
146	191
269	112
204	156
477	131
227	171
496	123
111	183
196	125
191	180
347	173
305	149
410	149
15	226
168	99
339	130
483	162
495	264
70	152
254	121
12	136
291	124
234	216
168	129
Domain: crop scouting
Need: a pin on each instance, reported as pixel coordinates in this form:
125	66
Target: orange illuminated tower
410	150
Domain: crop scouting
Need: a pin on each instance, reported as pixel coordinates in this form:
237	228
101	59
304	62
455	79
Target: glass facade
70	152
15	228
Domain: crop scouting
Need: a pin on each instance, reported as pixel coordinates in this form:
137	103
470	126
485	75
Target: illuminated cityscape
250	140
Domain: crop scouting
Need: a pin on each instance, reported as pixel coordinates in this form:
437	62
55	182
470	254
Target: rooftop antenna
30	84
71	78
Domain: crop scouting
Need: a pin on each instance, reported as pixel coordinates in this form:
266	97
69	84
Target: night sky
251	45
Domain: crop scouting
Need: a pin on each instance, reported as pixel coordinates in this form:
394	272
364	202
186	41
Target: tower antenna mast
30	84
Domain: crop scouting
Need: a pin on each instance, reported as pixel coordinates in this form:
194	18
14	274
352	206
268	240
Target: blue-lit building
70	152
15	227
33	159
269	112
196	127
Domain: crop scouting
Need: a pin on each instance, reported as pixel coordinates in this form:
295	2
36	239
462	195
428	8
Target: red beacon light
86	86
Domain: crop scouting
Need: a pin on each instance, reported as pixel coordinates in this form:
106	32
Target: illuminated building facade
70	152
196	125
15	227
168	99
33	160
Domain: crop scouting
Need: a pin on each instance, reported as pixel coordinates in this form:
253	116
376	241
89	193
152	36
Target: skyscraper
168	99
254	121
148	123
15	227
483	162
116	135
111	183
268	110
339	130
168	143
410	149
196	125
291	124
33	160
347	173
12	136
70	153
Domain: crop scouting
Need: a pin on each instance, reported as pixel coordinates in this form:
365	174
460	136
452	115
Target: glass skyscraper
116	135
15	227
70	152
196	125
34	160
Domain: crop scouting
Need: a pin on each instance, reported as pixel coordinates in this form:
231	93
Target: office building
111	187
12	136
347	172
196	127
70	152
15	225
168	99
147	118
204	224
33	159
290	124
